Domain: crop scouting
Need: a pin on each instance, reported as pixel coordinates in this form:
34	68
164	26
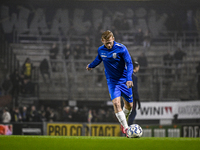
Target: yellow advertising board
83	129
102	130
64	129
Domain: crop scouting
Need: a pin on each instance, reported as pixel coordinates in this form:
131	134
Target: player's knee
129	106
117	105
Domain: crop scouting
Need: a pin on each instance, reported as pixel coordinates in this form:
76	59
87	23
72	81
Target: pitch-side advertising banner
80	129
167	110
188	110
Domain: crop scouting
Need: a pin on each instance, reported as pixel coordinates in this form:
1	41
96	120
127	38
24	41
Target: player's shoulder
102	47
120	46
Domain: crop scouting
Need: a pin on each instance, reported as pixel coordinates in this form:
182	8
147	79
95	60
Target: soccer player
118	70
136	99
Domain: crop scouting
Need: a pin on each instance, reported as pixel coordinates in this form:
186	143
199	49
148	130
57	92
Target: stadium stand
73	82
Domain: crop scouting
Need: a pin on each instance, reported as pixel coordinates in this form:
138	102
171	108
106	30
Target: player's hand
139	105
129	84
87	68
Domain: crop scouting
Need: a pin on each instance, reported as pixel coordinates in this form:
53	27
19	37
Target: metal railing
127	37
7	57
159	84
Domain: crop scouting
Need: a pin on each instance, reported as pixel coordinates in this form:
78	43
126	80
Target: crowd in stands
177	59
47	114
19	81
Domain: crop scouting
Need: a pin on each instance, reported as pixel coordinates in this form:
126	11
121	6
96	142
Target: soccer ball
134	131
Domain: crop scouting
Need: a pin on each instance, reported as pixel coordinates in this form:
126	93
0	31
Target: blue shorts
117	90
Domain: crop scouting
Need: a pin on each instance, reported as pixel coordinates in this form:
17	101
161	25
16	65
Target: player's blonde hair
107	34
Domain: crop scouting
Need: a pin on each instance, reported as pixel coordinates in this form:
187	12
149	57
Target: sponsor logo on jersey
103	55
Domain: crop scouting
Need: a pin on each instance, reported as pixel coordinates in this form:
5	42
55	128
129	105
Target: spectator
53	56
178	56
27	68
44	69
42	114
16	116
6	86
167	60
67	115
147	39
33	114
52	117
94	116
15	79
47	113
24	114
139	37
75	115
6	117
178	59
198	80
41	109
89	116
67	51
28	87
43	117
142	60
21	83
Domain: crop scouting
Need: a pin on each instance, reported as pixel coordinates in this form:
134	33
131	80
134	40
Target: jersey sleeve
96	62
129	64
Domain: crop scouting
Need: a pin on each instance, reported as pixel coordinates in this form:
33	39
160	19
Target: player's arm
95	63
129	64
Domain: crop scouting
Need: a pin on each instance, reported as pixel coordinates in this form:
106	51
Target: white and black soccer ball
134	131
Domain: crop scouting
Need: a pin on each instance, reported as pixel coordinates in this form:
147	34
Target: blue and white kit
118	69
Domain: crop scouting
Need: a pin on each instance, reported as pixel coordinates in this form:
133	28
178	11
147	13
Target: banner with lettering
167	110
156	110
62	129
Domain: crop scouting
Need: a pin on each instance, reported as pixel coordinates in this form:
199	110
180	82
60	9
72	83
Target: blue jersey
117	63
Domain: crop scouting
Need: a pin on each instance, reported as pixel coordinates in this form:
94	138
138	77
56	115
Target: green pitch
96	143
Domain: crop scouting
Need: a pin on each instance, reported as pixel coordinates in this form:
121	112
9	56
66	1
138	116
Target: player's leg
115	95
127	97
119	113
132	115
127	107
